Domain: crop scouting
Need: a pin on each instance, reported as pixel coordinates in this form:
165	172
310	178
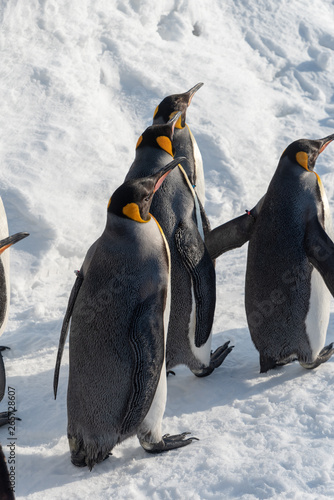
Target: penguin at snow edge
290	261
193	278
6	491
6	241
119	311
5	296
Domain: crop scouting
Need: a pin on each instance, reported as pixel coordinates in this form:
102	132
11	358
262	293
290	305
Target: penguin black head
133	199
174	103
159	136
305	152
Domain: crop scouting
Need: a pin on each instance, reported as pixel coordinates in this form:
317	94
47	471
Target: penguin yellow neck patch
131	210
178	123
302	159
165	143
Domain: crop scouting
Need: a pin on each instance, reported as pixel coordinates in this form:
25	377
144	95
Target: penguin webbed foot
323	356
216	359
168	443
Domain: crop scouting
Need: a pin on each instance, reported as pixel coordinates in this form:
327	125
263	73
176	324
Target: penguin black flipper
198	263
232	234
148	350
320	251
64	328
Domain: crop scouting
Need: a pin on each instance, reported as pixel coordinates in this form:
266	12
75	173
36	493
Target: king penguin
6	241
193	281
184	142
290	261
119	310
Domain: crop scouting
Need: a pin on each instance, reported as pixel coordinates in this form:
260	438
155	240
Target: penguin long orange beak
11	240
193	91
325	141
162	174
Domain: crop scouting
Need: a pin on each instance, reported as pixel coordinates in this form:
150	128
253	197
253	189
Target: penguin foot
323	356
168	443
81	460
216	360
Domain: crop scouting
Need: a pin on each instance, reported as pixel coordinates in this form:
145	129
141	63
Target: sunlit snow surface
79	81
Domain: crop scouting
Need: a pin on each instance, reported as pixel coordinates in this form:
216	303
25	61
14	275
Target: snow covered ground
79	81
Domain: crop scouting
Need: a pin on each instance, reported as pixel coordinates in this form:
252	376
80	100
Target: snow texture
79	82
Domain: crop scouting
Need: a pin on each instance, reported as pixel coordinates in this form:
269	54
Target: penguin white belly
200	183
201	353
318	314
317	318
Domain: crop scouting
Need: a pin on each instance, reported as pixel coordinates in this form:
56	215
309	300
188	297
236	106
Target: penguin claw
168	442
216	359
323	356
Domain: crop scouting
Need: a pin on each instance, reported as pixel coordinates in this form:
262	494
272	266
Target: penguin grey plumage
119	310
290	262
193	275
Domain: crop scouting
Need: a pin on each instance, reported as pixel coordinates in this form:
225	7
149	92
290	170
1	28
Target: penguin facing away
119	310
290	262
193	284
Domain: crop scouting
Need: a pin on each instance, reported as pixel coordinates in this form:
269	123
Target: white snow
79	82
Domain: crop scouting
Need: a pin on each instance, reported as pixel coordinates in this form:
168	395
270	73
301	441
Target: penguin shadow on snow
21	217
239	378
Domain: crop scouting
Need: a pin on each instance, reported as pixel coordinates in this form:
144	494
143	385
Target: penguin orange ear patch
139	141
166	144
155	112
131	210
302	159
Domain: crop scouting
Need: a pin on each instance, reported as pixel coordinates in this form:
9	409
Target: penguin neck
122	231
125	227
148	161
